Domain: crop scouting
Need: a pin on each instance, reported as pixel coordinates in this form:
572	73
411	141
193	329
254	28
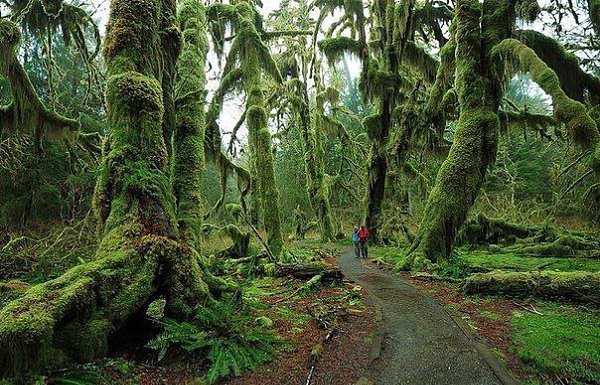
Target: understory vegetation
180	182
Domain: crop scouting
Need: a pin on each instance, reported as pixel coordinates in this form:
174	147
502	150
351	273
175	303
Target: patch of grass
563	344
489	315
390	254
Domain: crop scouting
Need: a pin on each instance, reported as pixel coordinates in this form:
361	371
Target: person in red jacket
363	241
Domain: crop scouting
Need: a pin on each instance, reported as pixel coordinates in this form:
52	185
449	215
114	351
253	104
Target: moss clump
373	125
336	47
528	10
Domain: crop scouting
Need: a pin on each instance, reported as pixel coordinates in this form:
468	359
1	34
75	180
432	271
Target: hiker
363	239
356	242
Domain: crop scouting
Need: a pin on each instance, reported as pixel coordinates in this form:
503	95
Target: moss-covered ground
561	345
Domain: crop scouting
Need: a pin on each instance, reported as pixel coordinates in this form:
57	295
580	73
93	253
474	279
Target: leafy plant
87	374
232	341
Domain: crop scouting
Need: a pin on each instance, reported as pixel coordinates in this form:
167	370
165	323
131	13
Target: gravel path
422	344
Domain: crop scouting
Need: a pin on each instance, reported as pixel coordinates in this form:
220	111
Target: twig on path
314	357
532	310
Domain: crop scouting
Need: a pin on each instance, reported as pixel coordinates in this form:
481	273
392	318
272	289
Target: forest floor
372	328
423	343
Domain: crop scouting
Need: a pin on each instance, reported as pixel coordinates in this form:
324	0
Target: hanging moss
528	10
27	113
444	77
263	157
373	126
420	60
313	126
255	61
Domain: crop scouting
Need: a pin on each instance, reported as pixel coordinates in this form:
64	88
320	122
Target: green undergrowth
226	332
388	254
561	346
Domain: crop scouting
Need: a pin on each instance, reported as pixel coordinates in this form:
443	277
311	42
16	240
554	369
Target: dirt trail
422	344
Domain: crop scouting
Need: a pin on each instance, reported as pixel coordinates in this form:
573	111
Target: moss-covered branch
511	55
573	80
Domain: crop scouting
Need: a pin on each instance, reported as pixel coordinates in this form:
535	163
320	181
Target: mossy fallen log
308	271
576	286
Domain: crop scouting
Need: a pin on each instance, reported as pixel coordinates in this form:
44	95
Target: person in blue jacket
356	242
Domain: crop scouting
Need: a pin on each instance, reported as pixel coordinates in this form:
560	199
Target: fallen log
576	286
307	271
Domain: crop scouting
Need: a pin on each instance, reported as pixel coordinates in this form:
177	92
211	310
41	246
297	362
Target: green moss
335	48
374	126
10	37
563	343
190	122
528	10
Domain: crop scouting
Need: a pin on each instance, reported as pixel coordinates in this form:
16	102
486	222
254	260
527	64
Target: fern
227	334
82	375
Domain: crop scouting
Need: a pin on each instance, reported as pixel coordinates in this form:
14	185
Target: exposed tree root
575	286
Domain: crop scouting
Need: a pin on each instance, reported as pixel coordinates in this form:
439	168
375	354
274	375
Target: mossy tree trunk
262	157
381	80
312	136
478	29
378	126
191	120
255	63
377	168
140	256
